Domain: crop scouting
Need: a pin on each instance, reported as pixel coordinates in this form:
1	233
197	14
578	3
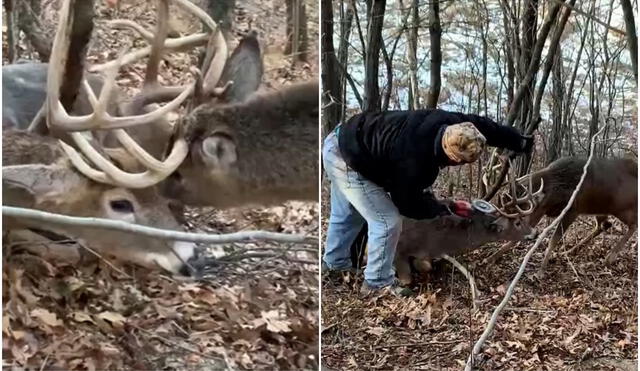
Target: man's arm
417	204
497	135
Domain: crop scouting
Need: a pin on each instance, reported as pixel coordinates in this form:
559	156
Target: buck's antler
58	117
508	201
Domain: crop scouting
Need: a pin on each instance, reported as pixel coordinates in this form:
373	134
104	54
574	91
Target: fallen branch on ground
494	316
469	277
163	234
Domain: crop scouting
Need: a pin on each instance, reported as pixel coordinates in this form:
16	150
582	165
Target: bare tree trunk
435	34
555	146
81	31
412	61
343	55
331	88
632	37
297	34
12	41
29	23
372	57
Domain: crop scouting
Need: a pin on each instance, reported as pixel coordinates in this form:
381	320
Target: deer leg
601	226
504	248
613	254
403	268
567	220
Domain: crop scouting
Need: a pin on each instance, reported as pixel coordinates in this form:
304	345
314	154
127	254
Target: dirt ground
256	309
581	316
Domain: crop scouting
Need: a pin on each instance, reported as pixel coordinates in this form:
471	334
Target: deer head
37	174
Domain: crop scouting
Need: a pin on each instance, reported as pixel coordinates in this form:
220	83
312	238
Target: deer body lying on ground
610	188
430	239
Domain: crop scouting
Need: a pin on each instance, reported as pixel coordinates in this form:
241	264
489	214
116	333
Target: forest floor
250	313
581	316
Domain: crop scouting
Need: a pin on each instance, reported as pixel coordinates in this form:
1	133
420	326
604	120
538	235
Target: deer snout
177	260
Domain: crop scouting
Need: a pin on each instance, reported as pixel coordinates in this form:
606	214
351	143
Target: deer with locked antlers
610	188
37	174
234	146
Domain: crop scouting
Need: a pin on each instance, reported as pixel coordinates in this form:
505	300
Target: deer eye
121	206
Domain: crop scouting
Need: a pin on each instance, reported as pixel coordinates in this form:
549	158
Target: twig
494	316
163	234
465	272
176	344
422	343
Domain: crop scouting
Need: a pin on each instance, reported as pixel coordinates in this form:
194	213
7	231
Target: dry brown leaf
48	318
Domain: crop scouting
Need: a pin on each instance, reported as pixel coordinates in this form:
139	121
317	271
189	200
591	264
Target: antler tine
196	11
162	29
111	174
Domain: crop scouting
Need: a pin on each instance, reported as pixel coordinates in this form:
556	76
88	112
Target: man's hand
461	208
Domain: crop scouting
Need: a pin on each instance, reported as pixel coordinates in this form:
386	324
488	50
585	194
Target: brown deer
430	239
37	174
610	188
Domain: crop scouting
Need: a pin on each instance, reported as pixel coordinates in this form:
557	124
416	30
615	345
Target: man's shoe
332	274
394	289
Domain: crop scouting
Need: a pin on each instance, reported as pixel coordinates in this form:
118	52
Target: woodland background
559	70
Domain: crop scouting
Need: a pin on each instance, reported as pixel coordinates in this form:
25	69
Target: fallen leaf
46	317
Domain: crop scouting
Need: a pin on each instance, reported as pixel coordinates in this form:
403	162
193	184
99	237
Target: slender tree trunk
12	47
372	59
555	145
343	55
297	34
331	90
435	34
412	61
632	37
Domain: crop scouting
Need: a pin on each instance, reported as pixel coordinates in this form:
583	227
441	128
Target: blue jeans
354	201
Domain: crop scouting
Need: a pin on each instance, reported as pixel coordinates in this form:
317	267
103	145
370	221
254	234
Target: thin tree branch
163	234
591	17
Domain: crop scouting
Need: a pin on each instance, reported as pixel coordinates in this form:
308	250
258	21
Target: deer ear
28	185
244	68
219	152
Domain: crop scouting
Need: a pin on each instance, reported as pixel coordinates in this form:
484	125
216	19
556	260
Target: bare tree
632	37
375	14
331	87
435	34
297	33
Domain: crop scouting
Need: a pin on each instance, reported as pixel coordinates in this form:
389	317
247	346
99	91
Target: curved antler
58	117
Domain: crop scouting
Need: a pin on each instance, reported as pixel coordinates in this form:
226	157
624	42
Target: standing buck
37	174
610	188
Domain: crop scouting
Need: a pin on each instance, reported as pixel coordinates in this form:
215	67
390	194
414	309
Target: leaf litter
570	320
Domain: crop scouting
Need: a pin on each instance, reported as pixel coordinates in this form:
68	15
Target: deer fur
37	174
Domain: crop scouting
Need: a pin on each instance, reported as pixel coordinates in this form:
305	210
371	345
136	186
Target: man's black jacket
401	151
